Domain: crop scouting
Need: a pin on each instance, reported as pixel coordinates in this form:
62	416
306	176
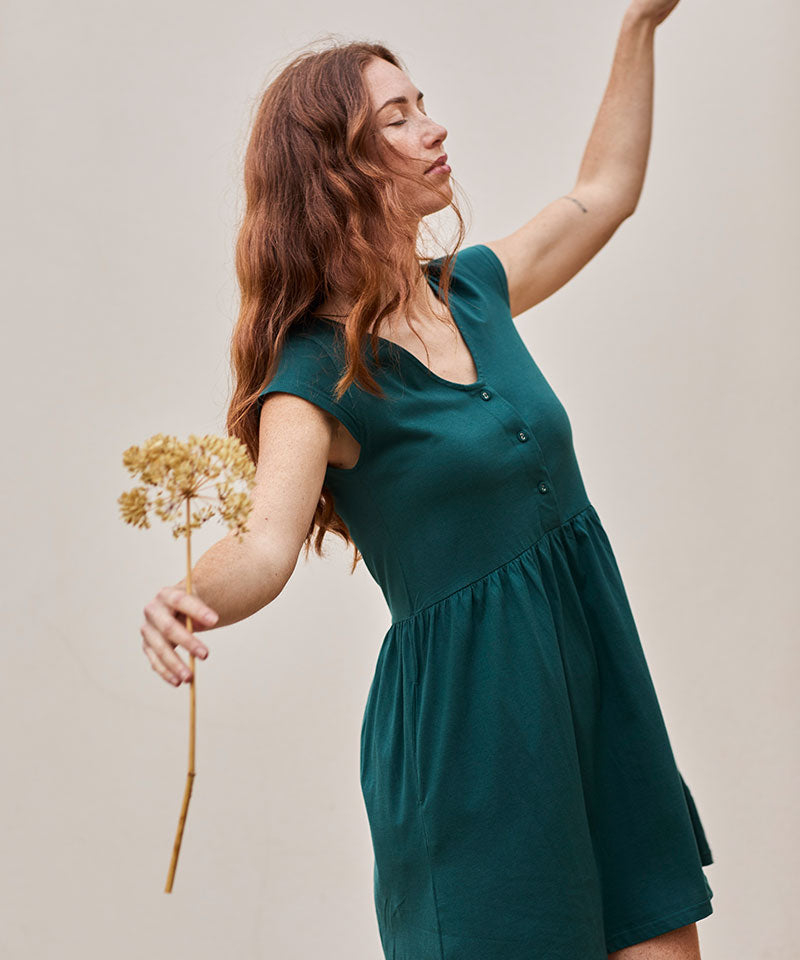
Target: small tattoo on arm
578	202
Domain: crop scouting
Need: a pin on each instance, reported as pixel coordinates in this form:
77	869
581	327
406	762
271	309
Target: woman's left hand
653	10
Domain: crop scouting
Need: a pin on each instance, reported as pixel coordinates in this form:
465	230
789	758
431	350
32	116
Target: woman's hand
164	629
655	11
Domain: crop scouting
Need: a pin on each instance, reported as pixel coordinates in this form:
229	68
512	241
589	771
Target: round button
485	394
522	435
543	488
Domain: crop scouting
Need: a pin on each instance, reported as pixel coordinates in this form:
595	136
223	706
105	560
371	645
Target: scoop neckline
454	309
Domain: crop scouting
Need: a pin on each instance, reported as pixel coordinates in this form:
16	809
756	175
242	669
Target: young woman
522	793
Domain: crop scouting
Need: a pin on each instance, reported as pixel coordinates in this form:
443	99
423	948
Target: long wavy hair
323	215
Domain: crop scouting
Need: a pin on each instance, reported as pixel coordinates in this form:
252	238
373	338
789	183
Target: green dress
521	790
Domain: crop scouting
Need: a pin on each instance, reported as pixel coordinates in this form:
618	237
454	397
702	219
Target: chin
433	203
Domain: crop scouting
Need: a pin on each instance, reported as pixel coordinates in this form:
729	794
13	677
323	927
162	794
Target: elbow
626	209
628	206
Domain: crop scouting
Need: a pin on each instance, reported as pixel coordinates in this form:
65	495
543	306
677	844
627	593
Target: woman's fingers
189	603
162	656
162	616
157	665
164	629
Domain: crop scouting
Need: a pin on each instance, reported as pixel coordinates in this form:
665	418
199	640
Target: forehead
384	80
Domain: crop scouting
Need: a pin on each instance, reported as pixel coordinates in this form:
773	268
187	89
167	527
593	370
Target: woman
522	794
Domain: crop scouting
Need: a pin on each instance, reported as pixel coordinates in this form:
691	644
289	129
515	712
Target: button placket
541	476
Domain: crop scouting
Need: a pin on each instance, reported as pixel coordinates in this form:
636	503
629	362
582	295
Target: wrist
637	17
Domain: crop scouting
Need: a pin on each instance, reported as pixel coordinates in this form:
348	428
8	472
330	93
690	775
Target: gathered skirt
521	790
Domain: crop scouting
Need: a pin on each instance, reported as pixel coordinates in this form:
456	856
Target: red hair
323	215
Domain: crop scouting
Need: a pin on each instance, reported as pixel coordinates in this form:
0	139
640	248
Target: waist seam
505	563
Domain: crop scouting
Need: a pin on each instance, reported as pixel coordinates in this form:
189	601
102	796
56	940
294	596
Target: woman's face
409	129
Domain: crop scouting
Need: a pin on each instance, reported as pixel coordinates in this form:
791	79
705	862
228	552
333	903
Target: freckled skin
409	129
680	944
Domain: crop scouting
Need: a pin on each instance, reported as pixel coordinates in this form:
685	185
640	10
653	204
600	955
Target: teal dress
521	790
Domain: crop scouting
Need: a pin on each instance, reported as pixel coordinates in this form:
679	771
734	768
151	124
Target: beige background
675	352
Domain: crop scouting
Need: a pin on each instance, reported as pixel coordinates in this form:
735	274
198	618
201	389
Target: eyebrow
420	95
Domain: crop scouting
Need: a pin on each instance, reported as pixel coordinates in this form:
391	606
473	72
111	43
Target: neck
423	305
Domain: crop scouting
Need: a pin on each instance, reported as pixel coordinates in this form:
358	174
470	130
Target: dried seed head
207	468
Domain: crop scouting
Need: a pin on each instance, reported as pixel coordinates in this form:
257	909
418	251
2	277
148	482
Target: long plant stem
190	774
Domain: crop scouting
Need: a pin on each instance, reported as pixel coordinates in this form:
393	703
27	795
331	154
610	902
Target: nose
437	132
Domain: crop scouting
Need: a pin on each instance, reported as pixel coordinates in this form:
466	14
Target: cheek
408	161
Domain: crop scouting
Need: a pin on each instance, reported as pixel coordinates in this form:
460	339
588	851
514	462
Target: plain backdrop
675	352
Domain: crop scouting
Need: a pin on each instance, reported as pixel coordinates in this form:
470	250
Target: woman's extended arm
235	578
616	153
554	245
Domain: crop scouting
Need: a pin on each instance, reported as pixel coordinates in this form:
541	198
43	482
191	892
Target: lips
438	162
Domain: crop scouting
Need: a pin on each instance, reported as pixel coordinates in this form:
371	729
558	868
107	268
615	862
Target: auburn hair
322	216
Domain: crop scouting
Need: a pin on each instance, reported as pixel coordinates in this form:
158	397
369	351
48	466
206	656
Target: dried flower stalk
174	474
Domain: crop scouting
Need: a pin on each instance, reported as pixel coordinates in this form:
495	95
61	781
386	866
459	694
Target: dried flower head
173	472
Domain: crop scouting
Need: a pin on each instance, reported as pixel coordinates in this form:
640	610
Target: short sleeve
306	369
480	266
492	269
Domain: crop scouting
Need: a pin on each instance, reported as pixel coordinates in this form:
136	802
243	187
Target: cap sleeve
306	369
485	261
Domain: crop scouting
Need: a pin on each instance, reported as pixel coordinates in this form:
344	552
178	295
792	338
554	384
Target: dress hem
653	928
